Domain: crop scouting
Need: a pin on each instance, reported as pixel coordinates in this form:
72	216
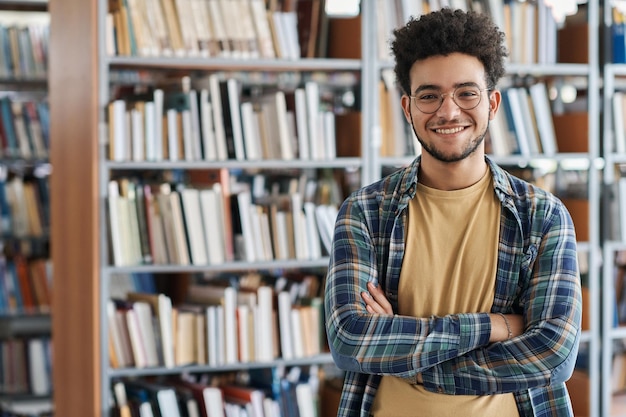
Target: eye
428	96
468	93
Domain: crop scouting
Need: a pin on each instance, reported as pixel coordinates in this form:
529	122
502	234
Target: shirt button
440	389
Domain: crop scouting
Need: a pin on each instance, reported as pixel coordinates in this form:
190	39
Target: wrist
507	324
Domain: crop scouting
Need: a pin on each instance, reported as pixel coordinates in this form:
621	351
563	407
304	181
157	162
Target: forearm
399	345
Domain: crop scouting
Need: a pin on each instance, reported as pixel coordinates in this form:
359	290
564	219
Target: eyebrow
437	87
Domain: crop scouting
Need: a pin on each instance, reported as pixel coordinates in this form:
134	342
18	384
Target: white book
202	25
325	229
266	238
281	35
264	330
122	355
188	31
233	88
178	227
499	134
621	191
302	124
168	403
136	339
143	313
39	377
145	410
284	138
117	245
232	31
619	128
212	221
312	231
296	334
131	226
194	225
137	135
120	141
214	401
218	121
212	332
159	98
172	135
519	126
230	325
162	306
330	140
282	252
284	325
219	30
262	28
149	131
244	323
299	227
312	94
188	153
305	400
208	131
290	30
543	115
529	120
247	28
250	127
244	202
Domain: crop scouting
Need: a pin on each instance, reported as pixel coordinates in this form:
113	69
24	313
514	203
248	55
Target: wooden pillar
75	242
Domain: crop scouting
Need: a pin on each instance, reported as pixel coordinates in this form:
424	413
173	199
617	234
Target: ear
406	107
495	98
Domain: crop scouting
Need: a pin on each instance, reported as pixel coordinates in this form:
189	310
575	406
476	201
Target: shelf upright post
75	206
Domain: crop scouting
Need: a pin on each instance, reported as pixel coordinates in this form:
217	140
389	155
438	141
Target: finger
378	295
370	304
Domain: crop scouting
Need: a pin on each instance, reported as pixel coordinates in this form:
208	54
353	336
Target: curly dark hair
446	31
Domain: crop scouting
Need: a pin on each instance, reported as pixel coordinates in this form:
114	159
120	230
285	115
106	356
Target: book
212	223
162	397
162	308
190	198
210	399
215	94
263	30
245	395
264	331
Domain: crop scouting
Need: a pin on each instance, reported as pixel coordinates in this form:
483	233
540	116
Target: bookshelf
573	157
86	265
25	302
613	211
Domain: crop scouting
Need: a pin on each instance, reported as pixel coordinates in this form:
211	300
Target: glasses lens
466	97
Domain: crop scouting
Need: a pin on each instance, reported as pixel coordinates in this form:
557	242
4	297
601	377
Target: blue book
618	30
11	147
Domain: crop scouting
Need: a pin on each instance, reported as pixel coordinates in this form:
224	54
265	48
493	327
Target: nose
448	106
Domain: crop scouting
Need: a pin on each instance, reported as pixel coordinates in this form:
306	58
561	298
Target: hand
375	300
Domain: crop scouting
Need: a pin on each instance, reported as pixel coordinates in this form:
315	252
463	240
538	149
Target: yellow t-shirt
449	266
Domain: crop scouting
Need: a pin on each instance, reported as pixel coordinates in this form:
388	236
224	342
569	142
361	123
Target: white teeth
449	131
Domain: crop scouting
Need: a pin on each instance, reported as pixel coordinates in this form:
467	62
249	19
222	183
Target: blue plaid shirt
537	276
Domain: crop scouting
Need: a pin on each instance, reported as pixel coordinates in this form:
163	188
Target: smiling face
450	134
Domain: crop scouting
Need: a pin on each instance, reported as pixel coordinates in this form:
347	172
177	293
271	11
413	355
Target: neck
450	176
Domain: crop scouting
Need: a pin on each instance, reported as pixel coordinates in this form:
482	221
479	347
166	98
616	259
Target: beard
443	157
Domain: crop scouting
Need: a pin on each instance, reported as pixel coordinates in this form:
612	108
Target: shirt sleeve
550	300
382	344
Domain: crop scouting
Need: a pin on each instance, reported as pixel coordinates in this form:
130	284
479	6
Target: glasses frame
452	94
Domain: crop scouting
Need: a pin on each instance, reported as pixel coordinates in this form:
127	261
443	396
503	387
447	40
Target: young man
453	287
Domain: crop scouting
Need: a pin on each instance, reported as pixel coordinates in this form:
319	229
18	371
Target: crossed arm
377	303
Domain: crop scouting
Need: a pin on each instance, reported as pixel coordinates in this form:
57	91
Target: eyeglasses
466	97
